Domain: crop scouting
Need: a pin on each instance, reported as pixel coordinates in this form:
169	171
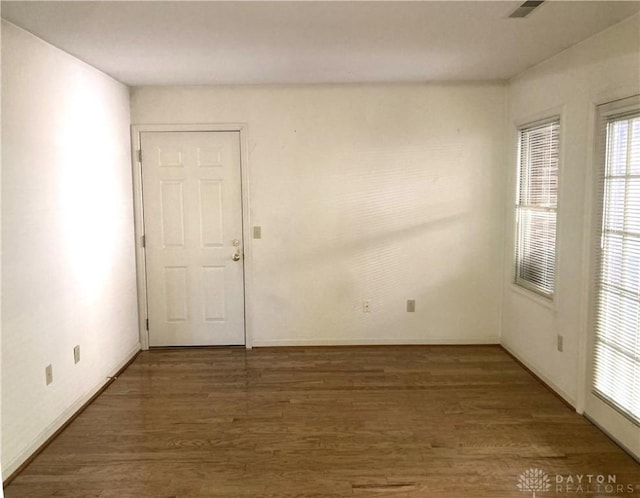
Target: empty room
320	249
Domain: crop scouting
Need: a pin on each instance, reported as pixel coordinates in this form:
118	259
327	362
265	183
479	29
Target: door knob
236	256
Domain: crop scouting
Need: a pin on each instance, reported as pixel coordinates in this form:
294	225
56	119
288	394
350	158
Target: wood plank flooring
322	422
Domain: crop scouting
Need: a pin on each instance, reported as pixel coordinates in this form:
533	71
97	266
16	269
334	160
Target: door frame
138	212
618	425
586	325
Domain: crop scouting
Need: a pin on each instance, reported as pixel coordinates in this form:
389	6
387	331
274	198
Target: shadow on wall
384	234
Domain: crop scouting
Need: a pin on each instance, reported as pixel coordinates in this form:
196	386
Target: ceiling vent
526	8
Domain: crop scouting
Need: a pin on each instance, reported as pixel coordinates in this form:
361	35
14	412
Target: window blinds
536	205
617	337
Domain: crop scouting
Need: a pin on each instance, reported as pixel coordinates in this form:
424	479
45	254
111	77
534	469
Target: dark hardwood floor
437	421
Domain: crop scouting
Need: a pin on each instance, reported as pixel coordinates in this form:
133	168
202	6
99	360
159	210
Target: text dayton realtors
590	483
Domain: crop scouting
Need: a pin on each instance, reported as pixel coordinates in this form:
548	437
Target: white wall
385	193
603	68
68	271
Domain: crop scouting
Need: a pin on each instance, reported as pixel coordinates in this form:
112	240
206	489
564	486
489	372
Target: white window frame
618	425
517	280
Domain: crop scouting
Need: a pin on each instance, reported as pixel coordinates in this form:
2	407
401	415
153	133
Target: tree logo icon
534	480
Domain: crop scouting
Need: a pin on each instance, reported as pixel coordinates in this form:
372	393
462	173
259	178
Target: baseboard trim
482	341
622	446
45	438
544	380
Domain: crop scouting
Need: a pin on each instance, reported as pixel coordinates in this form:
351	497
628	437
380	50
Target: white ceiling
179	42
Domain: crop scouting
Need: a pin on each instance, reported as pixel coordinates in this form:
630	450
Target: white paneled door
193	229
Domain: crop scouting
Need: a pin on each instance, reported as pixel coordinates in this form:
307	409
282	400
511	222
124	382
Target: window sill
534	296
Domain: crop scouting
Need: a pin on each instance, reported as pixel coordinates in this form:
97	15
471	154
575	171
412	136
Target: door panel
193	226
172	213
211	214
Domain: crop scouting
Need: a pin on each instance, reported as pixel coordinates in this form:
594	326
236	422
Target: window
536	205
617	335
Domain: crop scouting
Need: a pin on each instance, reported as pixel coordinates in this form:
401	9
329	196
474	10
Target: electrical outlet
560	340
366	306
411	305
48	374
76	354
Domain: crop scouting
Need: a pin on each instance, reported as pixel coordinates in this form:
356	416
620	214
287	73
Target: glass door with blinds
613	399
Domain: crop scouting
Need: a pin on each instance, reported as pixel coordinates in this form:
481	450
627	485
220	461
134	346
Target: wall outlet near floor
411	305
560	341
366	306
76	354
48	374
